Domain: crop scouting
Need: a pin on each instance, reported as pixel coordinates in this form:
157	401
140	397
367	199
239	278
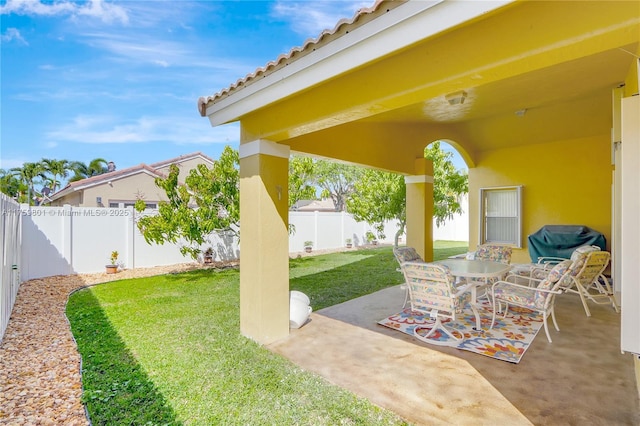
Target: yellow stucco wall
264	271
565	183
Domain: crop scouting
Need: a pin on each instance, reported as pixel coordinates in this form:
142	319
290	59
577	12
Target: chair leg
493	317
477	314
581	291
553	317
606	290
546	327
438	325
406	295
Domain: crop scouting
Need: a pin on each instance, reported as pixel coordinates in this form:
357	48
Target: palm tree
56	168
27	174
97	166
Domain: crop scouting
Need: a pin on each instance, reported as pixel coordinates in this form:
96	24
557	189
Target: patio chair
540	298
544	264
494	253
587	279
402	255
586	276
432	291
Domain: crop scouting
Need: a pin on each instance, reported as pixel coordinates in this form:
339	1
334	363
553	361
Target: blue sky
120	80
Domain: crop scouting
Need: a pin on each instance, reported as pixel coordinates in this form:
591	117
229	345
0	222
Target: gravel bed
40	380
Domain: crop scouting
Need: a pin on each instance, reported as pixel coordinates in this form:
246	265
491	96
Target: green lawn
167	349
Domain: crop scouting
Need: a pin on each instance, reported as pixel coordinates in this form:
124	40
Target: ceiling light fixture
521	112
456	98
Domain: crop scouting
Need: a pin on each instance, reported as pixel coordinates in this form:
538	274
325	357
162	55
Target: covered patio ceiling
548	74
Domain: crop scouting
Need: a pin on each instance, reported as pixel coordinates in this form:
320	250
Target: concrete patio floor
581	378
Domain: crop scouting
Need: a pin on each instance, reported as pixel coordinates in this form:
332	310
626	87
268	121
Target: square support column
420	209
264	241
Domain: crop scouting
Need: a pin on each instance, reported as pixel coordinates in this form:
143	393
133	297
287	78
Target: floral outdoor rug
507	341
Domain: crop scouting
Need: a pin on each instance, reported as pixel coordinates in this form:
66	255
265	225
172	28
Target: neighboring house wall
130	188
573	191
128	185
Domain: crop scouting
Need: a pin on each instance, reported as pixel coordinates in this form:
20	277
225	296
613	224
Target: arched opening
450	192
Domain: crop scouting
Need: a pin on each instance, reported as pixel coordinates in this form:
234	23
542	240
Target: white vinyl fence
329	230
10	250
46	241
69	240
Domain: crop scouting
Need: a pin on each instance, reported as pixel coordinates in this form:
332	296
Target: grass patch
167	349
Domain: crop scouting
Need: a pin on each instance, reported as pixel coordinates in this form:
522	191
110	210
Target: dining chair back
402	255
540	298
587	279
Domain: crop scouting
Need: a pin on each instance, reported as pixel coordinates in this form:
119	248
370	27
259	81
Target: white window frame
517	241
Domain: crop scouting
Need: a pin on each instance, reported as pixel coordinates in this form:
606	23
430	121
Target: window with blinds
501	211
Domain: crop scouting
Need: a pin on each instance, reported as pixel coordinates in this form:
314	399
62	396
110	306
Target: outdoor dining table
479	269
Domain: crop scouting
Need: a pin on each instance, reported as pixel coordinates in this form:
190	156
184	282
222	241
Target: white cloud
311	18
10	163
104	11
113	130
13	34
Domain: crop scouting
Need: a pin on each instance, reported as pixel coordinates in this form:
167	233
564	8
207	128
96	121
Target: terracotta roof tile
344	26
180	158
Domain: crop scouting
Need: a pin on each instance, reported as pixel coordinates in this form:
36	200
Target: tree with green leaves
81	170
336	180
381	196
207	202
448	183
301	179
10	185
28	174
56	168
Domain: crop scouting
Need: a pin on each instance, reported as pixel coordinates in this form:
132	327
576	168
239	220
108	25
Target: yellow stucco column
264	241
420	209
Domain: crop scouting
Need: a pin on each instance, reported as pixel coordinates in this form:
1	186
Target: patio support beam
264	271
420	209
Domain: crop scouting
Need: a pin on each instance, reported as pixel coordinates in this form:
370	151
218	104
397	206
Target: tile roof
343	27
181	158
106	177
94	180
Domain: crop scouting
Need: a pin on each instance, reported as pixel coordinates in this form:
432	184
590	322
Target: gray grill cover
562	240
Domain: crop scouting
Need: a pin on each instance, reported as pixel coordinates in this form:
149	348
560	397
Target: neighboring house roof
151	170
105	177
182	158
343	27
325	205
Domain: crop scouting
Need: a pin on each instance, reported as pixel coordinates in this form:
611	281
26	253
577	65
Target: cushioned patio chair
490	252
540	298
402	255
586	276
432	291
587	279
